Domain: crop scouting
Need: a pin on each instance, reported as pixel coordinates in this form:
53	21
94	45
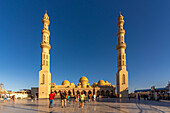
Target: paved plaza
112	105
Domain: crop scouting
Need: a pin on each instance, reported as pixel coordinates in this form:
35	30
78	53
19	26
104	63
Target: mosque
103	88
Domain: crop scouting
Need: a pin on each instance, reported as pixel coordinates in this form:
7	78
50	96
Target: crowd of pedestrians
65	98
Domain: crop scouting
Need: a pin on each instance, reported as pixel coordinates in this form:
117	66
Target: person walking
5	97
68	98
82	98
78	98
63	99
98	98
94	98
129	96
75	98
51	98
138	97
13	98
89	97
32	97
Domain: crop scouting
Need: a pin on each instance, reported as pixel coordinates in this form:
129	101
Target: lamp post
1	86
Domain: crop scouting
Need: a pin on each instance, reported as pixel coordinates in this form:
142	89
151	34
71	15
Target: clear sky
83	40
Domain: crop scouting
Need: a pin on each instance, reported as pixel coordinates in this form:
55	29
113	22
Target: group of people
65	98
6	96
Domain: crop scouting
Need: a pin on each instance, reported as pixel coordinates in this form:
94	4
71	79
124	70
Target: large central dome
83	78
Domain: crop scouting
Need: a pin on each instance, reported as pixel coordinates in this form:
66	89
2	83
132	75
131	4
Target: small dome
65	82
106	82
83	78
94	84
101	82
72	84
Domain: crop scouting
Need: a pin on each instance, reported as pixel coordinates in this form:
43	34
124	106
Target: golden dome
106	82
101	82
65	82
94	83
83	78
72	84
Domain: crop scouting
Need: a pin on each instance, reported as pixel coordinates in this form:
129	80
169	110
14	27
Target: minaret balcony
45	45
121	32
122	45
44	30
120	22
46	21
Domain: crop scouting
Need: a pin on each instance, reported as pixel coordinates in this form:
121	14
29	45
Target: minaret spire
44	74
119	13
122	74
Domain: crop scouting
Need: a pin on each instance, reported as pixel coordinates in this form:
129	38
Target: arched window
46	63
43	79
123	79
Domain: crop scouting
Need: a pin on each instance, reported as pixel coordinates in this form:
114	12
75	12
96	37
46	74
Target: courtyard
106	105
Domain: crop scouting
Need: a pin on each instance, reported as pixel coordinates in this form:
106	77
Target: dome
101	82
72	84
83	78
106	82
65	82
94	84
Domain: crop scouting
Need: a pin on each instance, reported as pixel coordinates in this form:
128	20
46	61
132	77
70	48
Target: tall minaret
44	74
122	74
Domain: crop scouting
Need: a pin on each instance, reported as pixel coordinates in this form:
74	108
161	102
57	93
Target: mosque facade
103	88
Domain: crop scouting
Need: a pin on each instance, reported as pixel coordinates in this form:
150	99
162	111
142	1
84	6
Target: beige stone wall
122	85
104	90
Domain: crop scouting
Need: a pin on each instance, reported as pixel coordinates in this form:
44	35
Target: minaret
44	74
122	74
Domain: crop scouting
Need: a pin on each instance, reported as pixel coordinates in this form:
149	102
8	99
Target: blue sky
83	40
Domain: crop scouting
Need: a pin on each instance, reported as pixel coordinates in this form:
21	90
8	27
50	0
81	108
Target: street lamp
1	86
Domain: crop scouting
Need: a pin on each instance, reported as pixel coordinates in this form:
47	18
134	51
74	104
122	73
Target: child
68	97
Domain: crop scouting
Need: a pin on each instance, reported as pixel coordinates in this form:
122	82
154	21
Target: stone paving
112	105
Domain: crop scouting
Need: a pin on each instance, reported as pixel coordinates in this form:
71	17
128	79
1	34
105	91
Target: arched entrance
89	92
111	93
98	92
69	92
84	92
78	93
94	91
102	92
107	93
